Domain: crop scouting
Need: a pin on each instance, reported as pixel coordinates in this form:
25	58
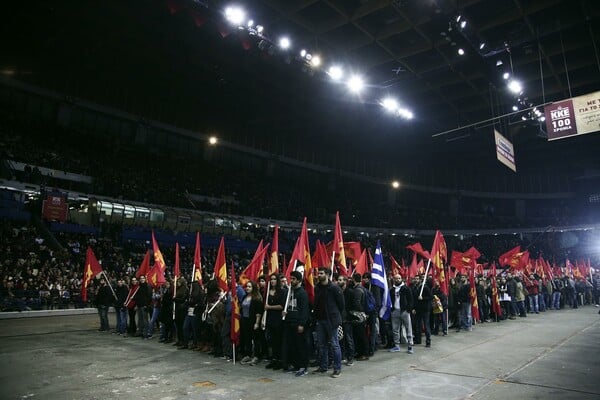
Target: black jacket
406	298
335	304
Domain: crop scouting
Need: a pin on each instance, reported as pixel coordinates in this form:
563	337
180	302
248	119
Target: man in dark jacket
421	311
373	321
328	308
104	299
294	339
142	298
120	310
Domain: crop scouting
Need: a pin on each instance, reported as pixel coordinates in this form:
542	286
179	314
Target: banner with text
505	151
576	116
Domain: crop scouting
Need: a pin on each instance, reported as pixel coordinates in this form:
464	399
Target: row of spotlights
237	16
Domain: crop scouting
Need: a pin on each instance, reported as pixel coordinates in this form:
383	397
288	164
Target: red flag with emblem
159	260
273	262
197	267
220	269
439	256
234	331
361	265
309	285
91	268
495	300
144	266
473	296
417	248
338	247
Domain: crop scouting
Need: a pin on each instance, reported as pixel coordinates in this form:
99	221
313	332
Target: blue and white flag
378	278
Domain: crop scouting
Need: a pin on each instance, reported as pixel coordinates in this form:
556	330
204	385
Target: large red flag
495	300
338	246
220	268
396	268
309	285
156	276
352	250
176	271
159	260
293	260
273	262
413	270
417	248
144	266
361	265
90	270
439	255
255	268
514	258
234	331
473	296
320	257
197	267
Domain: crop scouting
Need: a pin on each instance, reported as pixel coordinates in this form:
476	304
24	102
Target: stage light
458	18
461	52
515	108
302	53
316	61
481	45
356	84
250	24
499	63
395	184
308	56
212	140
405	113
284	43
505	75
463	24
390	104
542	118
336	73
259	28
235	15
515	86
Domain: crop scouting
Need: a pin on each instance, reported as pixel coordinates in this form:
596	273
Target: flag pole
109	285
289	293
174	295
425	277
233	353
263	321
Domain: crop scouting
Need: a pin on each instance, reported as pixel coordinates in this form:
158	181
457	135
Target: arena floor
553	355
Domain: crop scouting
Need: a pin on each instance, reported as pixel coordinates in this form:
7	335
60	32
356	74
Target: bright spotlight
458	18
390	104
259	28
542	118
463	24
499	63
515	86
481	45
356	84
405	113
212	140
336	73
316	61
395	184
250	24
284	43
505	75
515	108
235	15
302	53
461	52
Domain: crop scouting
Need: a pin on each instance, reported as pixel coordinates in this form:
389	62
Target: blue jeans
465	315
556	300
121	320
533	303
103	314
142	317
153	320
189	330
327	338
348	342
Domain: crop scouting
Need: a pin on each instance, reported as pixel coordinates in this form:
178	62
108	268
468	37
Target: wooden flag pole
425	277
287	298
263	322
174	295
109	285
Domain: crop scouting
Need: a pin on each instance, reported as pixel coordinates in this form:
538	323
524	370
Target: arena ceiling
178	61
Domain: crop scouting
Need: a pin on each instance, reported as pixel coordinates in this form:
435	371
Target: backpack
370	303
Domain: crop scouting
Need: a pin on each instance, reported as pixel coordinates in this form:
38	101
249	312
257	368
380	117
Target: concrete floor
554	355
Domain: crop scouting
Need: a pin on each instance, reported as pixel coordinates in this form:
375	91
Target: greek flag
378	278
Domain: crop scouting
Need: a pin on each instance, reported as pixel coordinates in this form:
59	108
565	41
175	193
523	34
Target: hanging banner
55	207
572	117
505	151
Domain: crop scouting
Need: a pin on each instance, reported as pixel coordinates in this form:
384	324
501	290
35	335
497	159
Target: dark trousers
294	347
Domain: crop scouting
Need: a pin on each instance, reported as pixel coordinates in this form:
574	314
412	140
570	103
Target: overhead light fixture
405	113
515	86
250	24
259	28
389	104
316	61
356	84
395	184
515	108
458	18
284	43
235	15
505	75
461	52
336	73
499	63
481	45
213	140
302	53
463	24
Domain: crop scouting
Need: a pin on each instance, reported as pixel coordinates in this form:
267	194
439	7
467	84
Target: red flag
439	255
293	260
144	266
338	246
352	250
220	268
320	258
197	268
234	331
90	270
176	271
417	248
473	254
413	270
158	257
255	268
514	258
309	285
473	296
156	276
396	268
495	300
273	262
361	265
